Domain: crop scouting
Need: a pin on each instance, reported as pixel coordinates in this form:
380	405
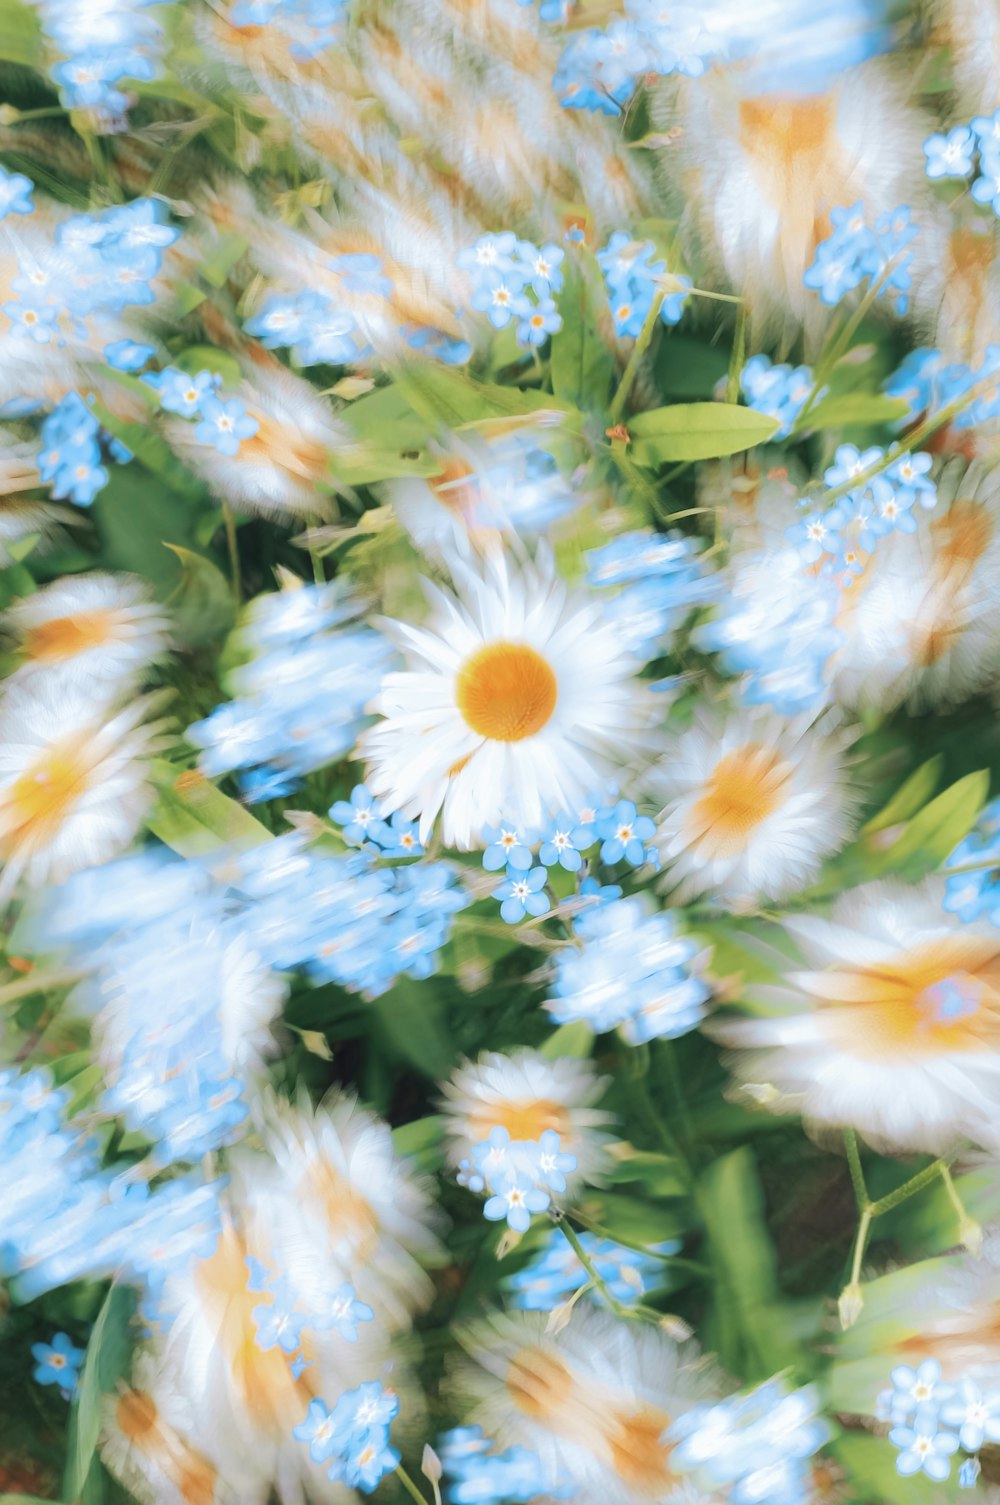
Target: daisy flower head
74	782
526	1094
516	699
754	803
95	627
892	1027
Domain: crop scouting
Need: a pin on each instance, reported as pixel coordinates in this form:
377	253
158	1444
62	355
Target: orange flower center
64	637
506	692
745	787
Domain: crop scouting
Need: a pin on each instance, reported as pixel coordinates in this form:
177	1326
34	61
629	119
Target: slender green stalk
908	1189
409	1485
857	1174
600	1231
234	551
632	366
596	1279
860	1244
738	357
969	1231
839	345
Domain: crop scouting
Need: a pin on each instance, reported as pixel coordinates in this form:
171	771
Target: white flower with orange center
753	805
893	1031
517	700
527	1094
90	627
593	1401
74	778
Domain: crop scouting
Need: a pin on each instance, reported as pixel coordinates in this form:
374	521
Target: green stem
860	1244
234	550
908	1189
596	1279
599	1231
839	345
857	1174
632	366
409	1485
738	356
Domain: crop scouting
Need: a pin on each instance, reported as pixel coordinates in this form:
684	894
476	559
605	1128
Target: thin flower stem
860	1244
857	1174
596	1279
908	1189
703	292
632	366
232	545
738	357
972	867
601	1232
409	1486
840	344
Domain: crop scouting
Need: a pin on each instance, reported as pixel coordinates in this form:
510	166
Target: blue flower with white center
597	892
557	1273
856	251
536	321
505	848
180	392
816	536
278	1324
319	1431
553	1162
224	425
128	355
399	837
361	816
438	346
950	155
514	1200
498	300
916	1390
778	391
57	1362
541	267
924	1449
283	319
31	323
975	1414
368	1461
491	259
623	833
15	194
563	841
523	893
910	477
362	273
342	1313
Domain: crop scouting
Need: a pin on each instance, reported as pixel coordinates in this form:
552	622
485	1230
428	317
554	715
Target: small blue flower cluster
353	1438
280	1324
503	271
97	264
312	325
928	384
15	193
841	537
557	1274
300	700
972	894
620	829
952	154
478	1475
365	827
633	280
100	48
931	1421
754	1446
633	973
778	391
223	424
58	1363
856	251
344	920
434	343
777	630
660	581
66	1218
519	1174
310	25
70	456
599	70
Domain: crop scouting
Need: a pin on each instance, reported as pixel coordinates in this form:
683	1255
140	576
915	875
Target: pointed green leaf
108	1354
864	408
696	431
936	831
909	797
573	1039
582	363
194	818
452	398
202	606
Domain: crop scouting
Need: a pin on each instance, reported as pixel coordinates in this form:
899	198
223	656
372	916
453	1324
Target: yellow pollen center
745	787
39	800
506	692
64	637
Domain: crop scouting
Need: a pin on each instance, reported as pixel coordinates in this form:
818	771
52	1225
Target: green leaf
194	818
573	1039
582	364
202	606
452	398
689	368
207	358
933	834
909	797
661	1175
386	411
420	1136
409	1018
20	34
697	431
870	1464
866	408
215	269
108	1354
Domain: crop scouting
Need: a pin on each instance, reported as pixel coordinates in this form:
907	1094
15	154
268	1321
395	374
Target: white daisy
754	803
526	1094
894	1030
90	627
74	779
593	1401
517	700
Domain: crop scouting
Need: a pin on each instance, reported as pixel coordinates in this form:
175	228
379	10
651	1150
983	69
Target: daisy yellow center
40	799
506	692
745	787
522	1120
349	1217
64	637
137	1417
638	1455
539	1384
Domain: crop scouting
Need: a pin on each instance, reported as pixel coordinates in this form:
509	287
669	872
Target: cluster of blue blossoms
931	1421
353	1438
279	1323
856	251
840	537
504	271
222	422
953	154
300	698
70	456
634	279
556	1274
633	973
478	1475
975	893
520	1175
620	829
654	580
100	47
310	25
780	391
928	383
753	1448
312	325
599	70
